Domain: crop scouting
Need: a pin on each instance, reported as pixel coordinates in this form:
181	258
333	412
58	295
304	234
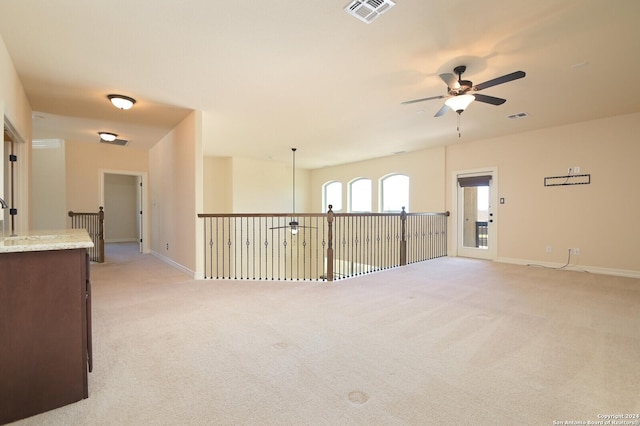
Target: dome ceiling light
108	136
121	101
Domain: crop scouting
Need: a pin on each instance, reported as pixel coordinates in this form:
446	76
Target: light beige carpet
450	341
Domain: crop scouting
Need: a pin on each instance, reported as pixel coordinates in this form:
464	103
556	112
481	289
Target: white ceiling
271	75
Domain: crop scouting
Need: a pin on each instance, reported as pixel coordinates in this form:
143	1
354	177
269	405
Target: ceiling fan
460	93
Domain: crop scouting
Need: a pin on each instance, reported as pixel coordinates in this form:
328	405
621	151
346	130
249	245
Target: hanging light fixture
460	102
121	101
293	225
107	136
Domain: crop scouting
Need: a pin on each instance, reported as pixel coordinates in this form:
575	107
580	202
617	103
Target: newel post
330	244
403	239
101	235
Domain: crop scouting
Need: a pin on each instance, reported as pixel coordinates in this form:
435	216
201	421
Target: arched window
360	195
395	193
332	194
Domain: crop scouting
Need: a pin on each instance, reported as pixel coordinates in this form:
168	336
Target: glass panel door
475	217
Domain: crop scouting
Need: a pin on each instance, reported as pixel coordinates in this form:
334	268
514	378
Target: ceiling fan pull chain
459	125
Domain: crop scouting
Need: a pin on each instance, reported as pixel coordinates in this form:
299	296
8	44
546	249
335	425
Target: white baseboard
175	264
573	267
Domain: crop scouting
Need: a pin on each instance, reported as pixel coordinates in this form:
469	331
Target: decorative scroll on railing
94	224
318	247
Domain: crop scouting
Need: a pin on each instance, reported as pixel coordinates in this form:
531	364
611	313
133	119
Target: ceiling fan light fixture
459	103
293	227
121	101
108	136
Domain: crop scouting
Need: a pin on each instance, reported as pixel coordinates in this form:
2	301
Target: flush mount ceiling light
459	103
107	136
121	101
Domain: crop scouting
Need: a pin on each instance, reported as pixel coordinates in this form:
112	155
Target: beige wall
85	163
267	187
425	169
600	218
15	105
48	188
243	185
175	175
217	185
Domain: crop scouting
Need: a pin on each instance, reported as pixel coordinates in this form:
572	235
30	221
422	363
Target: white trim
572	267
177	265
492	254
21	179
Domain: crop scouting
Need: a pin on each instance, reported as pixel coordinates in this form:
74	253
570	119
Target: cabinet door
43	329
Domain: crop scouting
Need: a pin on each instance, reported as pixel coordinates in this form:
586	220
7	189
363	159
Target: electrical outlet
576	169
576	251
549	249
167	246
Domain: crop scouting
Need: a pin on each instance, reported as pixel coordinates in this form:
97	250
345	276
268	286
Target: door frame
144	229
458	249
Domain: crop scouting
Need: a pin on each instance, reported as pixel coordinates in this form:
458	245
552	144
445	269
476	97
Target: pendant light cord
294	180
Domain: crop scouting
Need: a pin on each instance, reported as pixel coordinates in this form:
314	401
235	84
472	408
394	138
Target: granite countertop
62	239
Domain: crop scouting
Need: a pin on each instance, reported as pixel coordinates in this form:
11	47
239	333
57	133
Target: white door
476	230
139	210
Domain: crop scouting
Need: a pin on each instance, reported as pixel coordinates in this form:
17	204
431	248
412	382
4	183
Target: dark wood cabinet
45	331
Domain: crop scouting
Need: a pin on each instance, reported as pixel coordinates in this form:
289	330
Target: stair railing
94	224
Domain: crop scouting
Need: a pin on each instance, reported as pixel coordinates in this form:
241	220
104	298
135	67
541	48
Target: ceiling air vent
119	142
517	116
368	10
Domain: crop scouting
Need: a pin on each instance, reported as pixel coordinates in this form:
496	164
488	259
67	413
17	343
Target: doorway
476	234
128	216
13	181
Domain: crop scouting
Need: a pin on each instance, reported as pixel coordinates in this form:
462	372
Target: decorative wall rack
584	179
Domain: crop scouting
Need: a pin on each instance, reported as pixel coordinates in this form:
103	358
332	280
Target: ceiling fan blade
489	99
421	100
293	226
442	110
451	80
504	79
